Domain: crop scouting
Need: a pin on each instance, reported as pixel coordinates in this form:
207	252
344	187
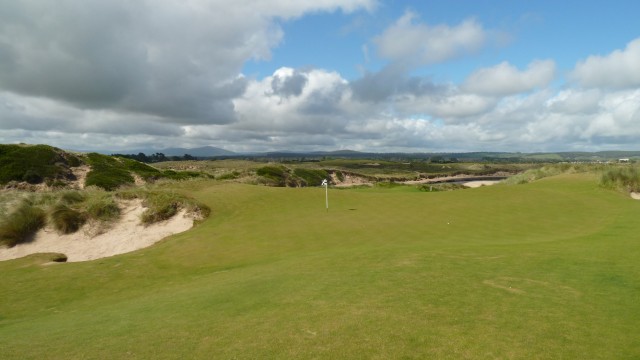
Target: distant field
548	269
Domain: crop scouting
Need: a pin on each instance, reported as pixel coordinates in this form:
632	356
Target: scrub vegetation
35	164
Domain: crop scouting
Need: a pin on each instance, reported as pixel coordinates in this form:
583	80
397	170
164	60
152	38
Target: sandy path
125	236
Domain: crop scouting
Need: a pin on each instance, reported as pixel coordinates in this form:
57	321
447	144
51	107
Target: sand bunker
475	184
635	195
126	235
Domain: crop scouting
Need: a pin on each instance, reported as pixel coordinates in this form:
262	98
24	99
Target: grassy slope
544	270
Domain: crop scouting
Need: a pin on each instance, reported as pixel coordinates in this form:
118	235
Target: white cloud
506	79
409	41
619	69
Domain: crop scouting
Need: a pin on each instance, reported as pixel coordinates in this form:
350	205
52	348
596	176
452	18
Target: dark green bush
65	219
277	175
143	170
229	176
311	177
33	163
107	172
21	224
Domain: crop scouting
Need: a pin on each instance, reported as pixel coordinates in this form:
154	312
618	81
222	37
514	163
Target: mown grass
543	270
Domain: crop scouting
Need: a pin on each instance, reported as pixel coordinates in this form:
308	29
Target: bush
311	177
32	163
21	224
107	172
65	219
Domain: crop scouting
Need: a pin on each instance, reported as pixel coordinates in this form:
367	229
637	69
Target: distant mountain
205	151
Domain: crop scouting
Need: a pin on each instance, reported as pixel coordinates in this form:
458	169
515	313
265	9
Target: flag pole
326	193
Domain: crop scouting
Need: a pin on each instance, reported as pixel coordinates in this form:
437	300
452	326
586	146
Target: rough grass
21	224
163	204
543	270
65	219
625	178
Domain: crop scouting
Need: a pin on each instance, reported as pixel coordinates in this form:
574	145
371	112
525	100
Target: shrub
145	171
275	175
65	219
107	172
311	177
21	224
229	176
33	163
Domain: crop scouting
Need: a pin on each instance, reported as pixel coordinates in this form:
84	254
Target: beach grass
547	269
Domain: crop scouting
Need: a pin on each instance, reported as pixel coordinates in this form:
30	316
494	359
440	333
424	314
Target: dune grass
21	224
542	270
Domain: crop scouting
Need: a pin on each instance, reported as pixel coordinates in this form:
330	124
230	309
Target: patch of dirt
80	174
126	235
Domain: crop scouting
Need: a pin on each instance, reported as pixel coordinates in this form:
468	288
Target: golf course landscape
547	269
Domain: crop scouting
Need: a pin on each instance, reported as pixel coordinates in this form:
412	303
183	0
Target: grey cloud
392	80
289	85
163	59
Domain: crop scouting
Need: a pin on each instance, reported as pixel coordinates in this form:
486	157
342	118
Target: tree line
154	158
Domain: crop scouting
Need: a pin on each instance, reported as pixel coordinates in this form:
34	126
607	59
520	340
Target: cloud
391	81
408	41
175	60
288	82
505	79
619	69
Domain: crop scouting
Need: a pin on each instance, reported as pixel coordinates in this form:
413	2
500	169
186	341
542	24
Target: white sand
126	235
475	184
635	195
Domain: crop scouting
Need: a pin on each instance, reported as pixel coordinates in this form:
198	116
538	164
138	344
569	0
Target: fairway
543	270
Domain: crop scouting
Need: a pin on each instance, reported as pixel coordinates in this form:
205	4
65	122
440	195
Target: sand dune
126	235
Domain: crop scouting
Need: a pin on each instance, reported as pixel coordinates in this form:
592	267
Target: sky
366	75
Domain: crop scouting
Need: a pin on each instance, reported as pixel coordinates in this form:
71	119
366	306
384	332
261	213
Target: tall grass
626	178
551	170
162	205
21	224
65	219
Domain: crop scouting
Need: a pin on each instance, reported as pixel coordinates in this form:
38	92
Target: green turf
542	270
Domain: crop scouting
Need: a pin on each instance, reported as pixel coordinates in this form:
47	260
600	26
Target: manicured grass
542	270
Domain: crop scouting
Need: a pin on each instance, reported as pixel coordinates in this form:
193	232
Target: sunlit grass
541	270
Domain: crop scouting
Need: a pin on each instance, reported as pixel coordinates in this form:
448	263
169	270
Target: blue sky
259	75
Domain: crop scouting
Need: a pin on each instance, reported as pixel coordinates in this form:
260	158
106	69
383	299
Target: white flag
324	182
